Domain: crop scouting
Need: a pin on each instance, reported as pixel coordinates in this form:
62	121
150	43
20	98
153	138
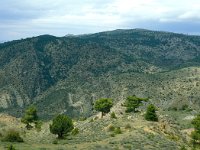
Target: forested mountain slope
67	74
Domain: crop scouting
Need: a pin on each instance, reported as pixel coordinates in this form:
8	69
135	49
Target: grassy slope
165	135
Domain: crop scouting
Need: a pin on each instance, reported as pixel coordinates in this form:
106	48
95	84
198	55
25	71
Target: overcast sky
27	18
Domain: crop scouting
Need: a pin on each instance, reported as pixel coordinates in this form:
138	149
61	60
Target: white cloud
74	16
194	14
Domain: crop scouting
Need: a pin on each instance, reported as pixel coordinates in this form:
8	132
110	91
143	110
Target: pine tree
103	105
30	116
151	113
61	125
133	102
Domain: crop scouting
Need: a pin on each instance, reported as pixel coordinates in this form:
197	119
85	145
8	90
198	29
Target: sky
27	18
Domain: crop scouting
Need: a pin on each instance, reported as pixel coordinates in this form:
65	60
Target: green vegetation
61	125
113	116
195	135
151	113
118	130
38	125
185	107
91	120
55	142
31	72
11	147
112	135
75	131
103	105
67	74
12	136
183	148
114	130
30	116
105	133
111	128
133	102
128	126
82	118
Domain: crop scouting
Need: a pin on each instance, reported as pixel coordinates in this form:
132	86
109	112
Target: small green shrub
112	135
113	116
184	107
75	131
38	125
151	113
95	118
183	148
111	128
91	120
82	119
118	130
1	135
11	147
172	109
150	136
55	142
12	136
195	135
127	126
173	137
129	147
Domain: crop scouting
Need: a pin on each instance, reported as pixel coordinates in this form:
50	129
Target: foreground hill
67	74
100	133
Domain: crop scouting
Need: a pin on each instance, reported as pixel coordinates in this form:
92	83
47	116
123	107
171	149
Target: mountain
67	74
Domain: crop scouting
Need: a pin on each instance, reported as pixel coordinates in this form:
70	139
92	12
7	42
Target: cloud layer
25	18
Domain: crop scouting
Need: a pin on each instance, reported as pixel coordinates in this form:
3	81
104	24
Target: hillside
67	74
98	134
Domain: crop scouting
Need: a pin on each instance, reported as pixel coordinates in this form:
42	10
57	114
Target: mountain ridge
71	72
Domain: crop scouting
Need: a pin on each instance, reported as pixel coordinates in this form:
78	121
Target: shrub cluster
11	147
13	136
75	131
113	116
195	135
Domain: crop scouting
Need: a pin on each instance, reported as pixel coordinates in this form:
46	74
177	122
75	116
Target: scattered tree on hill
30	116
133	102
196	133
61	125
103	105
151	113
